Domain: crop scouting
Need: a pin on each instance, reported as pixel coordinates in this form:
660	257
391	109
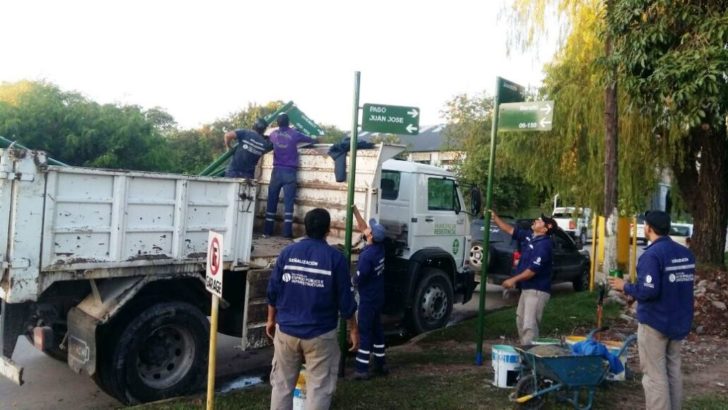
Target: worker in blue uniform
533	273
664	293
285	167
369	281
252	144
308	289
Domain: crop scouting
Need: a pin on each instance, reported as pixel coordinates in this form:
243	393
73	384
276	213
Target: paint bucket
299	393
506	363
545	341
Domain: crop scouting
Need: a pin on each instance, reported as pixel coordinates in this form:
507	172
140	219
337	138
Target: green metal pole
216	164
486	225
349	209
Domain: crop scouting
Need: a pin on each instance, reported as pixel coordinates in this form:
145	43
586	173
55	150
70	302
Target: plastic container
299	393
506	364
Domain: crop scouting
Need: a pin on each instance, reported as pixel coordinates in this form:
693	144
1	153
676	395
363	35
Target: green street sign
303	123
509	92
526	116
391	119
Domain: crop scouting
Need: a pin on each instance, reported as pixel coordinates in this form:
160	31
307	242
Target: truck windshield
441	194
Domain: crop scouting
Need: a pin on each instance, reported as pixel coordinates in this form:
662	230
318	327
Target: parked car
570	264
575	221
680	232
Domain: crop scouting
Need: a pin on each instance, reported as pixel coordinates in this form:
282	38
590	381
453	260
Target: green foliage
77	131
468	129
674	59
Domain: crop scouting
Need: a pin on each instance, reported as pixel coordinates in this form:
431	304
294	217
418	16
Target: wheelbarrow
564	376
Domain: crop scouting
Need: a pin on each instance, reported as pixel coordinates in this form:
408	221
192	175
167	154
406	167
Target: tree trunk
703	182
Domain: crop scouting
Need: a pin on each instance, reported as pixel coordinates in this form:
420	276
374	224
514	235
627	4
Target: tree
468	129
78	131
674	61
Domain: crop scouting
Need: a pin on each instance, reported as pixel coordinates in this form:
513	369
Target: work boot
361	376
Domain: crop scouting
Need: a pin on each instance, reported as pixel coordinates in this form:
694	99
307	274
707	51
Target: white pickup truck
575	221
105	269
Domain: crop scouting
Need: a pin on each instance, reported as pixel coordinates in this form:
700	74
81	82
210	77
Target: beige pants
529	313
322	356
660	364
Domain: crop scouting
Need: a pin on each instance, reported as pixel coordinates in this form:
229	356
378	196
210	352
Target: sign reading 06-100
392	119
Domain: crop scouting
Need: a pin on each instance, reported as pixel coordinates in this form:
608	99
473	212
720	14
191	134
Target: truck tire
159	353
432	302
581	283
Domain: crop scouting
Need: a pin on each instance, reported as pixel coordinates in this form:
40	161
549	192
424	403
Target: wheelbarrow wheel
526	386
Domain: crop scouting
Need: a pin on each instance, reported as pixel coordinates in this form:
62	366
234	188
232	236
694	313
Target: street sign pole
486	225
349	206
212	353
214	284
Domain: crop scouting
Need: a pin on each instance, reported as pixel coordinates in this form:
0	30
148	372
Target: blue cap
379	232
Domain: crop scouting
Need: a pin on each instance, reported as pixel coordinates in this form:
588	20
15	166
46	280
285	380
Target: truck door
440	220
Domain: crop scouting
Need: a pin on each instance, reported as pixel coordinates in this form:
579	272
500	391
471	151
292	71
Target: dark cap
260	126
379	232
282	120
550	222
659	221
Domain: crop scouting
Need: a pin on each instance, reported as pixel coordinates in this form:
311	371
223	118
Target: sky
201	61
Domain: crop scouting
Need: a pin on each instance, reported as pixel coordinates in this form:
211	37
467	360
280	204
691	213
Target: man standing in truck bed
533	273
285	166
251	146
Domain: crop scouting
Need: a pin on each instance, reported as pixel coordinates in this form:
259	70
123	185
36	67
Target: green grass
437	372
563	314
707	402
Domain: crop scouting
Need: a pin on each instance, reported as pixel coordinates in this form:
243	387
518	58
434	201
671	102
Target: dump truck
105	269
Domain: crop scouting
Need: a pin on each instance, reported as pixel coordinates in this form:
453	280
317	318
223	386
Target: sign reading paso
213	270
392	119
526	116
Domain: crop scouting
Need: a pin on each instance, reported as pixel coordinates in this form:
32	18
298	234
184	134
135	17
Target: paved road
50	384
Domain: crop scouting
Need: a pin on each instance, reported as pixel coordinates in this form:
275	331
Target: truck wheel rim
434	303
166	356
476	255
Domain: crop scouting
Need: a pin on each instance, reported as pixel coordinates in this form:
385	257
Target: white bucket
506	363
299	393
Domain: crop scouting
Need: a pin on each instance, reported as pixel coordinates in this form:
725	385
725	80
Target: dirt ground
704	364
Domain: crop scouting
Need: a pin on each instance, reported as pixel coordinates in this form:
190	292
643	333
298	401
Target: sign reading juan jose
392	119
526	116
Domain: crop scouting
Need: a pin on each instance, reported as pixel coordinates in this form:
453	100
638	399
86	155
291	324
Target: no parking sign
213	277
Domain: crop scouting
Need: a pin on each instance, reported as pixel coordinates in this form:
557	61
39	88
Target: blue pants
371	338
281	178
